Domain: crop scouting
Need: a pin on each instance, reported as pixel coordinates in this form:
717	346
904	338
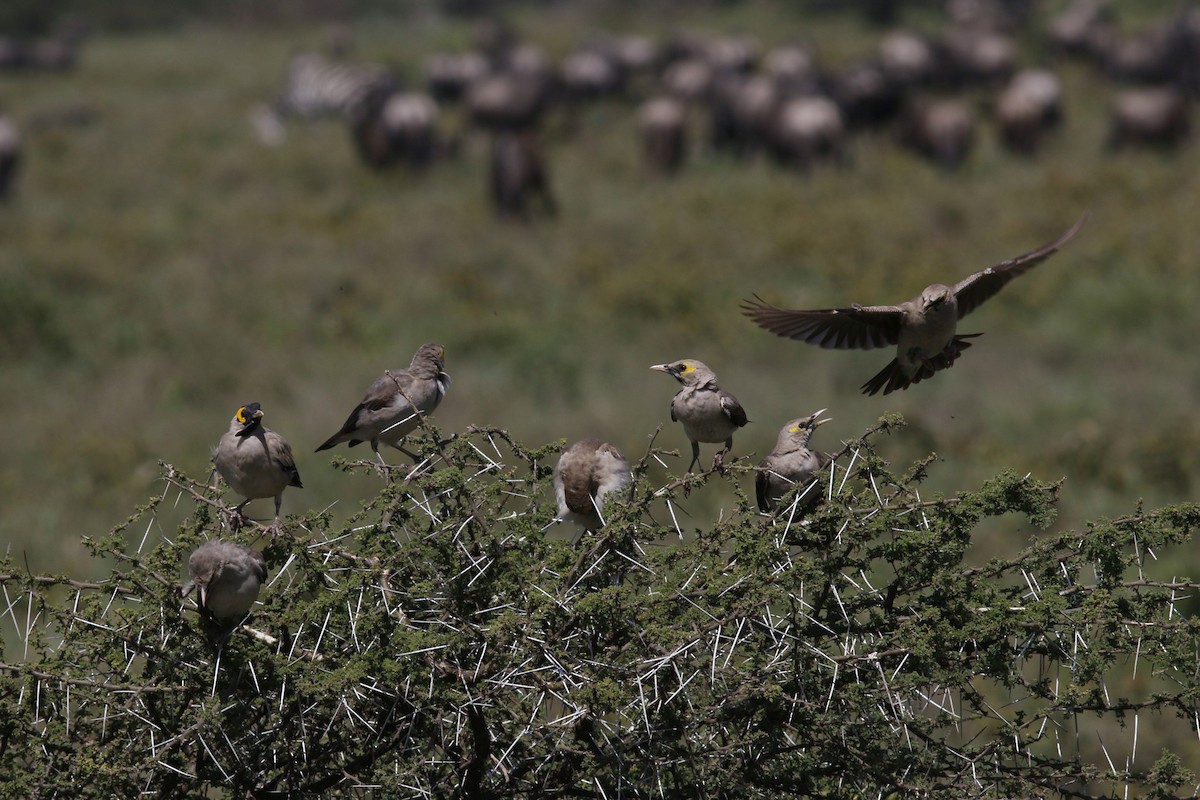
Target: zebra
315	88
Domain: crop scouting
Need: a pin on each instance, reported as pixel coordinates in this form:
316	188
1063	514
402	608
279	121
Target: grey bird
924	329
588	472
255	460
227	576
707	412
393	406
791	464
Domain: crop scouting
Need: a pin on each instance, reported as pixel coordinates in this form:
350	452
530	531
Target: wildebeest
507	101
1155	116
10	154
977	57
907	59
518	174
398	128
662	124
793	68
590	74
1026	108
867	95
942	130
807	129
1072	31
447	75
688	79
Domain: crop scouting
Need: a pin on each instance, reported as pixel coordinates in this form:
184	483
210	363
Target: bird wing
762	487
733	409
382	393
853	328
973	290
281	452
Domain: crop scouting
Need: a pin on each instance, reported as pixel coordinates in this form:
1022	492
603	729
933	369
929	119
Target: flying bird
924	329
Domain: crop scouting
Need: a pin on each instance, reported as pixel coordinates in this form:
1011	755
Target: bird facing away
791	464
587	472
924	329
255	460
707	412
227	576
392	407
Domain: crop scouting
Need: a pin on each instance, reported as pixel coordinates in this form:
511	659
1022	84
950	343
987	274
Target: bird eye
241	415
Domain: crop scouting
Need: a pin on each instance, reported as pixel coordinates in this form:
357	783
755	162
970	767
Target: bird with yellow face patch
707	412
791	465
255	460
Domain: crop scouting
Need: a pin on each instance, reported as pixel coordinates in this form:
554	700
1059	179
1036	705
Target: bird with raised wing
791	464
255	460
395	403
924	329
707	412
586	474
227	577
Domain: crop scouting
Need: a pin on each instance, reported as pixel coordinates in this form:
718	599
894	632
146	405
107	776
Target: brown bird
395	402
255	460
923	329
791	464
586	474
228	576
707	412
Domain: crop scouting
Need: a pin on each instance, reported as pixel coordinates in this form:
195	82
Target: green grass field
161	267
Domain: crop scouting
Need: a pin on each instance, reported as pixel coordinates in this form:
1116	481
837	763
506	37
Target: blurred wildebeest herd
930	92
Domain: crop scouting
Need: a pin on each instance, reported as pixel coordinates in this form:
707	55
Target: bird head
687	371
936	296
804	426
250	416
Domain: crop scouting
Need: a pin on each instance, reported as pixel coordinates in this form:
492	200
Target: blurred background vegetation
161	266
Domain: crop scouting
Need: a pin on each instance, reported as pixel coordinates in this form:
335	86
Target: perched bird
392	407
255	460
708	412
923	329
791	464
587	472
228	576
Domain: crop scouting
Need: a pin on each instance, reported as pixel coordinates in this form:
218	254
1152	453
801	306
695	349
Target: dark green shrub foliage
449	641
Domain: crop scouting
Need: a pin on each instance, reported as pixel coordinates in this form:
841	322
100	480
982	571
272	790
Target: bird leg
719	459
236	519
695	456
382	469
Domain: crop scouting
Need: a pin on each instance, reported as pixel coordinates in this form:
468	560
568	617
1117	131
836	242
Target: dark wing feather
762	487
733	409
854	328
973	290
282	452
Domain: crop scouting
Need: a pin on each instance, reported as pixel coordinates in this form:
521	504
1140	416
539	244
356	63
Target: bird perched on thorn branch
227	576
707	412
255	460
924	329
791	464
393	406
588	472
